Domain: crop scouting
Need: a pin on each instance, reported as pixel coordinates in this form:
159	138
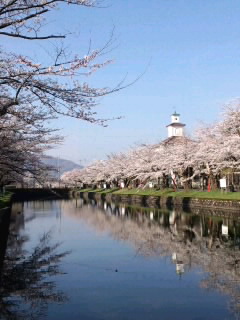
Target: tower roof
176	124
176	114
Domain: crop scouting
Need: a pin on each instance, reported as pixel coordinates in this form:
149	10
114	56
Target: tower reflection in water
207	240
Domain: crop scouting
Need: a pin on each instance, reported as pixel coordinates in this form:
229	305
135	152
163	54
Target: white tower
175	128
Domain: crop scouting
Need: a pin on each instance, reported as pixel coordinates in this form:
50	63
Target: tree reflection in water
191	240
26	289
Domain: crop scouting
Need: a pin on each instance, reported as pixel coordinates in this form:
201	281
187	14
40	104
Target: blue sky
191	49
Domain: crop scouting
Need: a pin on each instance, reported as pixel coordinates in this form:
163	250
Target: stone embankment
166	201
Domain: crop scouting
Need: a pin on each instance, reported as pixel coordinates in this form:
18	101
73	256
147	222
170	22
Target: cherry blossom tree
25	82
22	146
32	93
218	144
213	150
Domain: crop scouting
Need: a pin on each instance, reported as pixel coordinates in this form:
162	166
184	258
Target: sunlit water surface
121	263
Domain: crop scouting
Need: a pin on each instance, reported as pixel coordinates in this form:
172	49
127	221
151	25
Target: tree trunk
212	180
187	174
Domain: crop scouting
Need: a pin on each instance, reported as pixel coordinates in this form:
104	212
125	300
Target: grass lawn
214	195
102	191
145	192
5	200
97	190
105	191
85	190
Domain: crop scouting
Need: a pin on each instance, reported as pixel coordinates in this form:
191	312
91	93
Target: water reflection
26	288
126	262
192	241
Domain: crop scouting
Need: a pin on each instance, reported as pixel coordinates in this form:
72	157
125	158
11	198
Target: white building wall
174	118
175	131
170	131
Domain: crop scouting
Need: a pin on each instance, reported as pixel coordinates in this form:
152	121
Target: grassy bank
102	191
5	200
213	195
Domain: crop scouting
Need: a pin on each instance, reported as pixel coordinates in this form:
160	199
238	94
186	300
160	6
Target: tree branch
15	35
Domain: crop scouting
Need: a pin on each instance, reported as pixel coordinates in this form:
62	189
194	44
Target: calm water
69	259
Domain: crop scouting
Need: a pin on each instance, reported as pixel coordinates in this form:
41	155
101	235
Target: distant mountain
62	165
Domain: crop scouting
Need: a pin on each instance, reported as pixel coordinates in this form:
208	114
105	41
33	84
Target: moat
87	259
